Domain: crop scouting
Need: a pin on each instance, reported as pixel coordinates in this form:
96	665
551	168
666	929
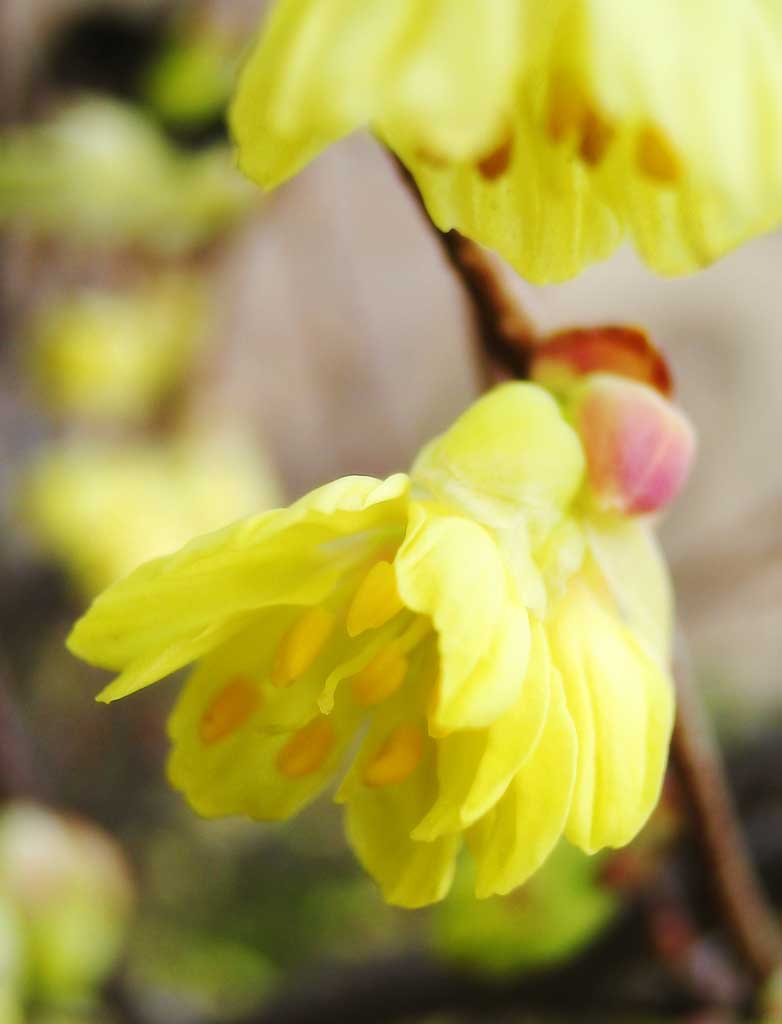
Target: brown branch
18	774
753	925
507	335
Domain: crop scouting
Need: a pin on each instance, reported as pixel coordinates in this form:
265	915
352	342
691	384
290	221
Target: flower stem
18	774
507	334
752	923
507	337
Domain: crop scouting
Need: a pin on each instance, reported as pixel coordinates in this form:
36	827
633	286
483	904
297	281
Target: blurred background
177	350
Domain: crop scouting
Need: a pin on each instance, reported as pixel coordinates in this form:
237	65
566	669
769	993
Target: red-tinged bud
562	358
639	446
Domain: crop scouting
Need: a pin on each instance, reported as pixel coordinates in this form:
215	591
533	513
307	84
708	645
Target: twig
507	335
753	925
18	775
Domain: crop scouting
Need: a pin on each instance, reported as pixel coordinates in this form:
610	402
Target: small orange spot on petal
566	109
497	162
306	750
596	135
228	710
656	157
570	116
397	758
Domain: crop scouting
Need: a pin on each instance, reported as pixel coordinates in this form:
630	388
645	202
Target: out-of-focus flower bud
100	172
191	81
564	357
638	446
12	962
549	918
115	355
70	886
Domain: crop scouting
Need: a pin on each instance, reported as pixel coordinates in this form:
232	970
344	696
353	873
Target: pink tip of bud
639	447
562	358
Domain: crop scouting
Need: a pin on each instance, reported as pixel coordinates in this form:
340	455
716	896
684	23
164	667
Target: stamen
228	710
306	750
656	157
397	758
376	601
497	162
381	677
301	645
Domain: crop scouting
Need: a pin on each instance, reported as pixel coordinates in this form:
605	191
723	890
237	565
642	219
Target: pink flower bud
560	360
639	446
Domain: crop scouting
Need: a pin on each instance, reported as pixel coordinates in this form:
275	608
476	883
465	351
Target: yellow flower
484	651
543	130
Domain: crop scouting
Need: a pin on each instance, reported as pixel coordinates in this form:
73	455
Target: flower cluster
483	644
546	131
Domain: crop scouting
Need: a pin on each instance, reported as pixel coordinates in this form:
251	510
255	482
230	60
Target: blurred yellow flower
100	172
114	355
66	887
468	636
546	131
101	509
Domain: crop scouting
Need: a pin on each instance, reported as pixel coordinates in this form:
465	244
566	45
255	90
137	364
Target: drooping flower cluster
546	131
482	645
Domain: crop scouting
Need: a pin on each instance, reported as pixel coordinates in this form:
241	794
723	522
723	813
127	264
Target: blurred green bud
12	962
71	889
192	80
100	510
548	919
100	172
115	355
208	975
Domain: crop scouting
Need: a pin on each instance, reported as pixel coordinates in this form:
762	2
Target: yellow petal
724	138
380	817
621	703
450	569
475	766
632	564
176	608
511	842
510	456
543	215
441	73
